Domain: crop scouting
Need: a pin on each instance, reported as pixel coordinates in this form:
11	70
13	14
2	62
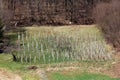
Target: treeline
21	12
107	16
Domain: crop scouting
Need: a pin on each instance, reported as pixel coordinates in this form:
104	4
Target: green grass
6	62
80	76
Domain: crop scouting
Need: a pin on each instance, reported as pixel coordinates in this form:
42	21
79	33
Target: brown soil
6	75
114	71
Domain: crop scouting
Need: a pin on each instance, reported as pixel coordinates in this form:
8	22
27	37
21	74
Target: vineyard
47	45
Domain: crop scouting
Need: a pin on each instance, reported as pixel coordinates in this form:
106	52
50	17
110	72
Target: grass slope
7	63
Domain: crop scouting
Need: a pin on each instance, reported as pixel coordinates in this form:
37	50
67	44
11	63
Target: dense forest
24	12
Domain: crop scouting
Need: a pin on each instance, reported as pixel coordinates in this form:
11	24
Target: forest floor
10	70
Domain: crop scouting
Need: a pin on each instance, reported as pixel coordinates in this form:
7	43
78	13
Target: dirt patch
114	71
62	69
5	75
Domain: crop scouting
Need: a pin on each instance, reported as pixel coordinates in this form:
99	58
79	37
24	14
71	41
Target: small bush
107	16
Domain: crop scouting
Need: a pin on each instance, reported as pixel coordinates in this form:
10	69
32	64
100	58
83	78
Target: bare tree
107	16
6	12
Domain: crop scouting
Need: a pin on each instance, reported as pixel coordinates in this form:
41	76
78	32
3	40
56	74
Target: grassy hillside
89	36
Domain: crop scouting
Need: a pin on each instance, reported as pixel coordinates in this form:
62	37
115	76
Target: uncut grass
51	46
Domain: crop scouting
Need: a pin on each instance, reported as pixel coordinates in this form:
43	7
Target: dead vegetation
107	16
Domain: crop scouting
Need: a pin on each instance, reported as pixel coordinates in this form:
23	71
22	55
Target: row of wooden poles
44	49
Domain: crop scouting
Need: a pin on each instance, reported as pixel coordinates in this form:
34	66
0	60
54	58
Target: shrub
107	16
